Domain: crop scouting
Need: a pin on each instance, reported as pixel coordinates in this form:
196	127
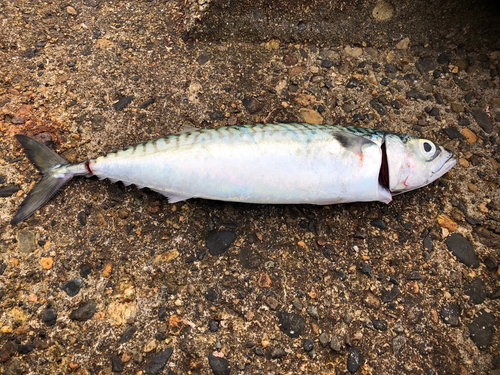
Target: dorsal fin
351	141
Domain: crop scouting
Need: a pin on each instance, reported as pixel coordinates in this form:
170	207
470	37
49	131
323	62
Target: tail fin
45	160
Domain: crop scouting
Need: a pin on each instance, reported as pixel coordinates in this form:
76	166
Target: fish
286	163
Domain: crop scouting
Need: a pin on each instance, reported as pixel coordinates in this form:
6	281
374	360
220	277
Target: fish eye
428	148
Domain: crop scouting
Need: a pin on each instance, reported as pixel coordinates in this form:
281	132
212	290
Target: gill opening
383	176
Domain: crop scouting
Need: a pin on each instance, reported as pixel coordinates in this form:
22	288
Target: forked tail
47	162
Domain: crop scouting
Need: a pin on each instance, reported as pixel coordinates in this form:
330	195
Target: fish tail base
55	175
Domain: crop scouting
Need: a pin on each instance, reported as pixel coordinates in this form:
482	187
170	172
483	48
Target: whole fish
274	163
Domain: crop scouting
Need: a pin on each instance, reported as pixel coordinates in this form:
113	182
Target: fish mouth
447	165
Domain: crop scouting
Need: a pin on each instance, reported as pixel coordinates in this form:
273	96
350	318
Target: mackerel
273	163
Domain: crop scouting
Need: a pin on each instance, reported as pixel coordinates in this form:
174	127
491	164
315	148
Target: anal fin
172	197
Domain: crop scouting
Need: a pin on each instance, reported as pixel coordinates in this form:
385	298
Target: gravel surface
107	278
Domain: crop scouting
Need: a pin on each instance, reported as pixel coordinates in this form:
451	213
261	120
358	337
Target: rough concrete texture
107	278
378	23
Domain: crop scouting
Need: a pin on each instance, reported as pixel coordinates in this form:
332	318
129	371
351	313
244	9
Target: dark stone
127	335
147	103
444	58
156	364
212	295
434	112
410	78
439	98
160	336
462	249
218	242
290	323
482	328
49	317
352	83
491	263
121	104
389	295
25	349
476	290
82	218
2	179
414	275
259	352
463	121
84	312
472	220
378	223
203	58
416	95
326	63
252	105
7	191
453	133
395	104
7	351
249	258
482	120
214	327
488	238
451	315
216	116
308	344
366	269
428	244
72	287
385	81
85	270
389	68
278	352
116	364
425	65
378	107
354	360
380	325
220	366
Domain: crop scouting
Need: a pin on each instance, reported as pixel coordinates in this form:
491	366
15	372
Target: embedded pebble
335	343
398	343
219	365
157	363
380	325
324	339
290	323
450	315
482	328
49	317
116	364
218	242
308	344
354	360
84	312
482	120
72	287
476	290
462	249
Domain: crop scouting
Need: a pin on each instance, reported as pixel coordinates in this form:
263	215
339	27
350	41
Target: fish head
414	162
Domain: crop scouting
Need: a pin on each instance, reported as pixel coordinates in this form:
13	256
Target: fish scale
262	163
